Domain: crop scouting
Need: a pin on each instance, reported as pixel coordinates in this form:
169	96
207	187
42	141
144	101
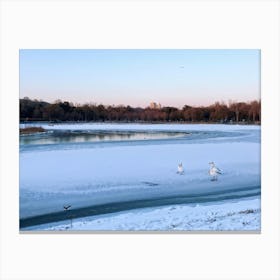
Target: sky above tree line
172	77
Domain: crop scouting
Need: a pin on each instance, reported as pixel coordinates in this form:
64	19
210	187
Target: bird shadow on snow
150	184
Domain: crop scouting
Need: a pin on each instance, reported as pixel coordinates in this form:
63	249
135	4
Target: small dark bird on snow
66	207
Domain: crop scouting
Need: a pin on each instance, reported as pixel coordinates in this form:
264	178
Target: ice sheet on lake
142	126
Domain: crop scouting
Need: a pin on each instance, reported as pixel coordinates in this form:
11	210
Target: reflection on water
56	137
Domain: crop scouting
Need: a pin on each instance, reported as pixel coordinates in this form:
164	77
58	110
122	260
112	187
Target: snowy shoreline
242	215
211	198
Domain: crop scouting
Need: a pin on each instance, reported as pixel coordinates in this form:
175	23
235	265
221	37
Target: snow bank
244	215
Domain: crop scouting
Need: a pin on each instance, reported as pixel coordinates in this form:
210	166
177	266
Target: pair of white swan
214	171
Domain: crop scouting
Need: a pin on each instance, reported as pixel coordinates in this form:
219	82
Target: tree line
233	112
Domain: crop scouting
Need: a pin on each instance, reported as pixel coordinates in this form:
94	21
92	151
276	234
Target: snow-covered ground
226	216
85	174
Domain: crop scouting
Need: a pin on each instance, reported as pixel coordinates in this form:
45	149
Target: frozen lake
107	168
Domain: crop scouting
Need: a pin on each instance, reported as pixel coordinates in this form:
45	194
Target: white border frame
190	24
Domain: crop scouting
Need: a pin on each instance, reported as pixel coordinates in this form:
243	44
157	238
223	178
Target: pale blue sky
137	77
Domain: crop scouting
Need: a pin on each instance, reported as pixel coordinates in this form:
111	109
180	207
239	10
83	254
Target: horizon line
222	102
